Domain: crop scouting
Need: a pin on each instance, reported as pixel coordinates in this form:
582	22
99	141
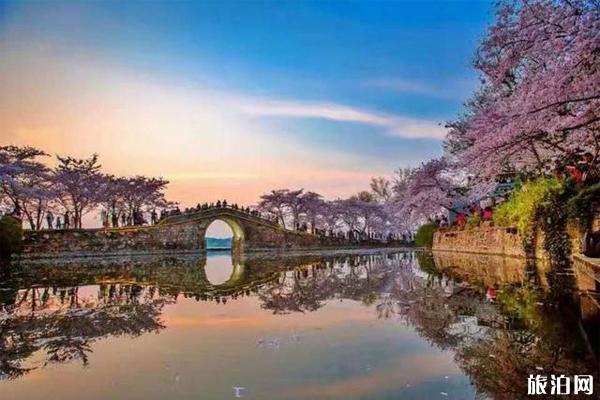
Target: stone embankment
505	241
489	240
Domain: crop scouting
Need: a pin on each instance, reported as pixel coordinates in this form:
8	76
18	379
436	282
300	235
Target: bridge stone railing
216	212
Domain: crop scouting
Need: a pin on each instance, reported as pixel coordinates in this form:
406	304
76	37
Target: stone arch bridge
180	233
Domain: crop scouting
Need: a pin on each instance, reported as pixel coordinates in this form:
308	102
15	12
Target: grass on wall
521	209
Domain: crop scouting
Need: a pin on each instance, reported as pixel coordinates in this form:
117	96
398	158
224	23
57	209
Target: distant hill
218	243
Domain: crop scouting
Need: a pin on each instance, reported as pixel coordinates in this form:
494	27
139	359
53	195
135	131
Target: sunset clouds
212	108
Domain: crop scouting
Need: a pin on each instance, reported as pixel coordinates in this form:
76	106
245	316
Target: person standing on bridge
49	219
153	217
104	218
67	219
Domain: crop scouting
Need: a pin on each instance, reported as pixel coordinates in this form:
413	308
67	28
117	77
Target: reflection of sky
341	351
218	267
230	99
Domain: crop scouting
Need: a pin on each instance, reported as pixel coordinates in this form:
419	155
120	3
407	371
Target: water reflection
377	325
219	267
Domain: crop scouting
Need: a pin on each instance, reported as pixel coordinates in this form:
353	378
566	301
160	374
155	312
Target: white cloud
457	88
406	86
396	125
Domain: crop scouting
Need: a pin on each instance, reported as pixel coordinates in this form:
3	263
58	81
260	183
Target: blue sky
331	91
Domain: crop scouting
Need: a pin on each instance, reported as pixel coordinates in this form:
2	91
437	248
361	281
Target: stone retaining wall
112	241
489	239
485	239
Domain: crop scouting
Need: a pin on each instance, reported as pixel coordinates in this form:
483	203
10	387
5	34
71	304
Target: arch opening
223	234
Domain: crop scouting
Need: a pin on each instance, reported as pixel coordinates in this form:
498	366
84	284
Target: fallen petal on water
269	343
238	391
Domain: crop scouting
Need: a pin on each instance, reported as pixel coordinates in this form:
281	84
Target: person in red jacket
461	219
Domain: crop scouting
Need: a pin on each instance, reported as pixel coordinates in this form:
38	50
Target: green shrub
520	210
474	221
11	235
424	236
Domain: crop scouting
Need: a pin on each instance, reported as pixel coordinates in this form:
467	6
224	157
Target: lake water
378	325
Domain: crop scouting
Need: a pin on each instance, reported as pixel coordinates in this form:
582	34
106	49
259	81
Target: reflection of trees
308	286
61	324
497	344
533	338
292	294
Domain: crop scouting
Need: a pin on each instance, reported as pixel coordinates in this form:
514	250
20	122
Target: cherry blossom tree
399	180
111	197
361	212
540	64
124	196
142	192
539	100
275	203
432	187
382	189
78	184
291	206
29	187
313	208
25	184
295	205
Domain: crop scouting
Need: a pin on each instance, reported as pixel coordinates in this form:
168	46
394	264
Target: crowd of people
108	219
136	217
481	211
58	222
209	206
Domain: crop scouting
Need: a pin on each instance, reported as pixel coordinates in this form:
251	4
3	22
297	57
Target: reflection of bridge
186	274
50	317
183	232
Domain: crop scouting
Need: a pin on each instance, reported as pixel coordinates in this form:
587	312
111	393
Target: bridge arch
237	229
